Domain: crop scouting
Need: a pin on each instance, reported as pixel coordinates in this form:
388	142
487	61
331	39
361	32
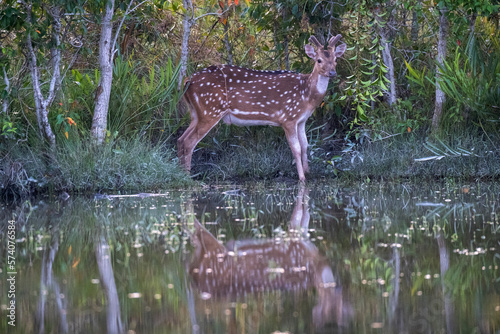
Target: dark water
369	259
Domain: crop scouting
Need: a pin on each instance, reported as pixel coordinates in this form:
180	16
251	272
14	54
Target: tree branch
32	56
207	14
73	59
127	11
117	32
56	74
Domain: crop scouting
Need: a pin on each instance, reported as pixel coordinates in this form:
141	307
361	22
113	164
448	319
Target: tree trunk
277	43
286	53
414	26
99	122
472	22
5	101
386	55
386	35
187	23
229	47
42	104
441	54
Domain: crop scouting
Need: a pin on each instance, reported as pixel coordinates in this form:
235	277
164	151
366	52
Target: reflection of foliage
382	240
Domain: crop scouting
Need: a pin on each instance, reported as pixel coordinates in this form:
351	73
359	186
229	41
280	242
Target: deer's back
248	94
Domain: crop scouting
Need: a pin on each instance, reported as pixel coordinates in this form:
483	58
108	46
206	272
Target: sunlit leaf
71	121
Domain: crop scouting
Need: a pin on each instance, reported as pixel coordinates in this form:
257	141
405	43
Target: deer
226	271
246	97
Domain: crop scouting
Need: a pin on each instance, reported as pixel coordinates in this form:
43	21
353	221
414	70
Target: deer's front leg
301	129
293	140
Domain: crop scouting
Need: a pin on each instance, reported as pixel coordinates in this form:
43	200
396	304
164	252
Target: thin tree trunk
386	35
441	54
414	26
373	78
229	47
387	56
277	43
5	101
99	122
472	22
42	104
187	23
286	53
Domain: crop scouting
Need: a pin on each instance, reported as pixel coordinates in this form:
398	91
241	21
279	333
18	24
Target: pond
373	258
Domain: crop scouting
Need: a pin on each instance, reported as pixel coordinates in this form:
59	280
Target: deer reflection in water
294	263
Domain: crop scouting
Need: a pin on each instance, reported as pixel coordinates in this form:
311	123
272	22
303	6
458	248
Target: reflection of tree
394	296
444	261
291	263
47	284
113	318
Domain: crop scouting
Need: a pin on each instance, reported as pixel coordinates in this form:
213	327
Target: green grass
410	156
240	157
244	155
125	165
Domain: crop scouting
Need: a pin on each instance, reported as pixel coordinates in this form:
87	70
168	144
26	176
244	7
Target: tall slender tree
386	38
54	12
107	51
441	54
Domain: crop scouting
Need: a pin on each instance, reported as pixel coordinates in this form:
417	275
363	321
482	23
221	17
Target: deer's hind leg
181	147
196	131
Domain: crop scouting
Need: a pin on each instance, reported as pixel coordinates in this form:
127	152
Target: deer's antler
334	40
315	41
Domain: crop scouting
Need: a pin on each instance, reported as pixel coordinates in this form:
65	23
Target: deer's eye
319	61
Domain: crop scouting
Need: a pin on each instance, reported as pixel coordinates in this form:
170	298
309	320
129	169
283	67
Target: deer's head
326	60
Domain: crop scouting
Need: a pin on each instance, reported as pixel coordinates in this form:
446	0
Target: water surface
382	258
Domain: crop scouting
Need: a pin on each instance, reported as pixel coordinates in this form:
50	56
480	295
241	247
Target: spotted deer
238	267
244	97
250	266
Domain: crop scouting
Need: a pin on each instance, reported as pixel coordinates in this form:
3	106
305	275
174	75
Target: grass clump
124	165
408	156
241	157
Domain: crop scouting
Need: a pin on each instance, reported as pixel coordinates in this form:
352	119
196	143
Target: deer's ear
310	51
339	50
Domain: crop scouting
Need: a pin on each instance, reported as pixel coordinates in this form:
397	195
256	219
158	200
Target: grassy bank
235	155
407	156
125	165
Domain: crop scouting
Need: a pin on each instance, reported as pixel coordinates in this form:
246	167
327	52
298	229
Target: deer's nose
333	73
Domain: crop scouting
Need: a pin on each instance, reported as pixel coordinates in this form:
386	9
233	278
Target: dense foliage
385	91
